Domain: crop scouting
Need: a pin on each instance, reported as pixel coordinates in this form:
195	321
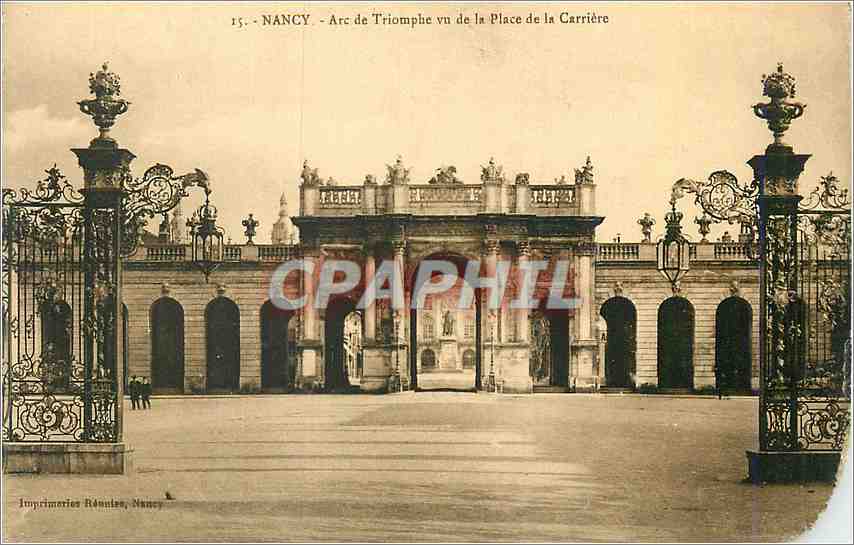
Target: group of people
140	393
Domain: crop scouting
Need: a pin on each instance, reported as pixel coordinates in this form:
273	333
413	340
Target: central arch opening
445	340
343	334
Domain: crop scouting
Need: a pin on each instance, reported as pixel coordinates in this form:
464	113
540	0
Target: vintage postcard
426	272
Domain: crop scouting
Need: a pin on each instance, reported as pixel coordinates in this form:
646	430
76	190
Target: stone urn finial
779	112
106	106
492	172
703	222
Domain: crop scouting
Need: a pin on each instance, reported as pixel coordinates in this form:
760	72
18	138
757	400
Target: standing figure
145	391
448	324
133	388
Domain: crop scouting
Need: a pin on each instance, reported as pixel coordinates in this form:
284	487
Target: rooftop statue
584	175
309	175
446	175
491	172
396	173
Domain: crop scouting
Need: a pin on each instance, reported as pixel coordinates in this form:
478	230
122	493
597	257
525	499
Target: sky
658	93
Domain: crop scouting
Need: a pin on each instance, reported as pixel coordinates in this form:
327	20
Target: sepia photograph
460	272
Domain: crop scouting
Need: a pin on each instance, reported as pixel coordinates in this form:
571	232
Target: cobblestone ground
428	467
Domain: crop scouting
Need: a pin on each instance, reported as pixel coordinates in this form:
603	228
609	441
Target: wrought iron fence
59	357
807	266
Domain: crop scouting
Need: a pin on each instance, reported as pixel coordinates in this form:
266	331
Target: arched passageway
276	362
447	331
733	348
676	344
342	342
222	324
549	359
167	346
621	341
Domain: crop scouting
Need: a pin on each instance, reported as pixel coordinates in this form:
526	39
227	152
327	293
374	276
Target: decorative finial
492	172
673	219
397	174
584	175
779	112
251	224
703	222
646	223
106	106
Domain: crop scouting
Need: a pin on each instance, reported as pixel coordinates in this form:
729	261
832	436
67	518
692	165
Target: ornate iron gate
59	368
807	347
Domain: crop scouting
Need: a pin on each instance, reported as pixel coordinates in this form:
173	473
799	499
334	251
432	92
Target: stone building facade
191	336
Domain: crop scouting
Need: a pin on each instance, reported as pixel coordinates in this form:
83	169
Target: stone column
523	249
586	345
401	316
378	357
370	309
309	344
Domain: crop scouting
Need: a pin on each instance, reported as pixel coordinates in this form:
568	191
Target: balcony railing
231	253
732	250
166	253
619	252
550	196
445	194
277	253
444	199
340	197
711	251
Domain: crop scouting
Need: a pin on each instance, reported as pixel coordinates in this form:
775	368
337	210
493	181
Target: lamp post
206	237
395	384
602	330
673	250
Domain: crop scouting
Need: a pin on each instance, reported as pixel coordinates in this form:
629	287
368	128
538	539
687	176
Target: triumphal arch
503	223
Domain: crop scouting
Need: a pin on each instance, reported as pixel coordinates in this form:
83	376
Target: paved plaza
427	467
